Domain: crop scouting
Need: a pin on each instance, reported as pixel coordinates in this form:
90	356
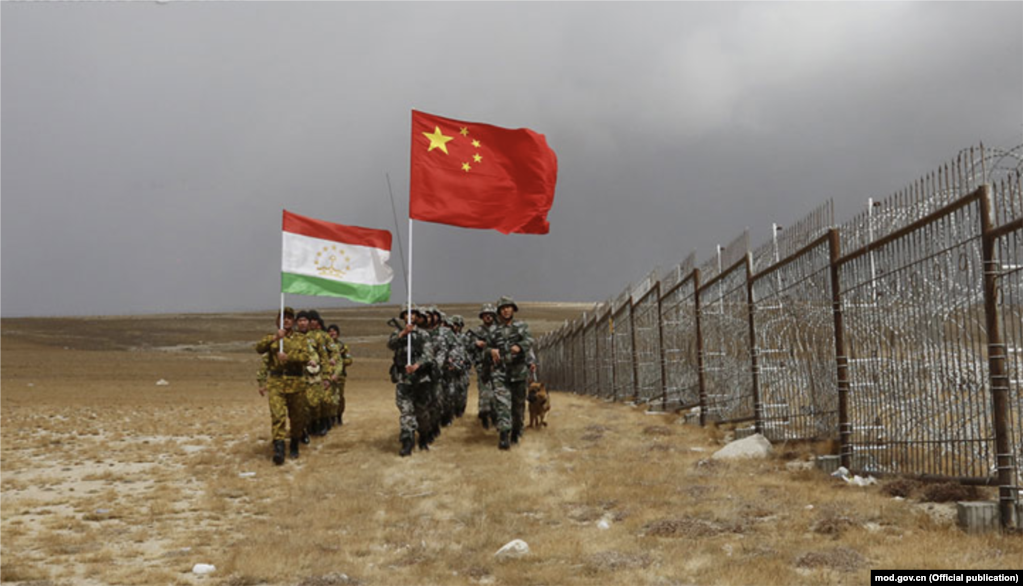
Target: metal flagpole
280	316
408	313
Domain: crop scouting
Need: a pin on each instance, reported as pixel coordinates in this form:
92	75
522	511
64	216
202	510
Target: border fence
898	334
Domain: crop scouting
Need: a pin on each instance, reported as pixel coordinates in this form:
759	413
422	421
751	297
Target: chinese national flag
480	176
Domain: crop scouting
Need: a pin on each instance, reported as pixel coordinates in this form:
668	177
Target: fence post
660	346
635	356
614	354
841	358
699	348
758	408
999	377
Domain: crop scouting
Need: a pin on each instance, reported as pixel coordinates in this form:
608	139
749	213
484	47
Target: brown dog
539	404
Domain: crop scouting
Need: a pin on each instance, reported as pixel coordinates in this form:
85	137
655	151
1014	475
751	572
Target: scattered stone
513	549
247	474
200	569
755	446
162	383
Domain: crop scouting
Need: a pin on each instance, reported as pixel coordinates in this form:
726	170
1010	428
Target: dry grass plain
108	478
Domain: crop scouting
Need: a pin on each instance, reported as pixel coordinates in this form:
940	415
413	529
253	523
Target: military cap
506	301
288	312
405	308
488	308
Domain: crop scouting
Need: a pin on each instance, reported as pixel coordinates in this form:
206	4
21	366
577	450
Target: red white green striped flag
332	260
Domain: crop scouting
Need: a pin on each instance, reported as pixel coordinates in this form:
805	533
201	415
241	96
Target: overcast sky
149	148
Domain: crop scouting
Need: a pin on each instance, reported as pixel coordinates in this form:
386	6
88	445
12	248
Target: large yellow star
438	140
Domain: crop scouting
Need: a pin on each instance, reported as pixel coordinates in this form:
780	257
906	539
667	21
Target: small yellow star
464	131
438	140
466	167
476	143
477	158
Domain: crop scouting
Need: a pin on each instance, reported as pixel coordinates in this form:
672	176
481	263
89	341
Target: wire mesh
914	328
646	320
624	375
724	319
795	333
678	314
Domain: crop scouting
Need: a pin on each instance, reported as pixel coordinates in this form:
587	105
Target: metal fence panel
621	327
914	328
724	318
795	332
678	309
646	321
605	353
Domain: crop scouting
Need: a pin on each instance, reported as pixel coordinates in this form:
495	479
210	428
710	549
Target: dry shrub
832	522
334	579
841	559
949	492
901	487
612	561
688	527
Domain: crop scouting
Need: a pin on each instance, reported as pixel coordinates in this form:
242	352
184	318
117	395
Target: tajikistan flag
331	260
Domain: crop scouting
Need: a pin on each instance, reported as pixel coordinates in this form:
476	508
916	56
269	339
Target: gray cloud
148	149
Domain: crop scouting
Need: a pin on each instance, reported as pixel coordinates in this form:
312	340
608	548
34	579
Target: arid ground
110	478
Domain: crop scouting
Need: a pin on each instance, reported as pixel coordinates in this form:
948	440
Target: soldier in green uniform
287	356
509	344
484	366
340	376
321	421
413	378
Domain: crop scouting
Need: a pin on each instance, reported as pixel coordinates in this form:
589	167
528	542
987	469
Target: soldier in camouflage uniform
480	357
461	383
451	369
311	374
340	375
437	408
509	344
321	421
287	356
414	378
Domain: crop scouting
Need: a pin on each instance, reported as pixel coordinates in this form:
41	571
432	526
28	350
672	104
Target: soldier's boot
278	452
305	436
293	452
339	421
503	443
424	441
407	443
515	435
485	420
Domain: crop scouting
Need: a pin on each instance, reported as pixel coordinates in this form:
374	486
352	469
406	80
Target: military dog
539	404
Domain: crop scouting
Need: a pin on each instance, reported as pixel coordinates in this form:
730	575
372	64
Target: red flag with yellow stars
480	176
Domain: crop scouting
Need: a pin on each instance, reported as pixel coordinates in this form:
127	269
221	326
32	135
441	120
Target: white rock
842	472
203	569
247	474
162	383
604	523
861	481
754	446
513	549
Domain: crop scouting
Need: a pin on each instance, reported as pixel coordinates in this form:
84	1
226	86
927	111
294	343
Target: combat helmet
488	308
505	300
405	310
456	320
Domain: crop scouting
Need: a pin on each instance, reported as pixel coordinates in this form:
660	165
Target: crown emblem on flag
332	261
